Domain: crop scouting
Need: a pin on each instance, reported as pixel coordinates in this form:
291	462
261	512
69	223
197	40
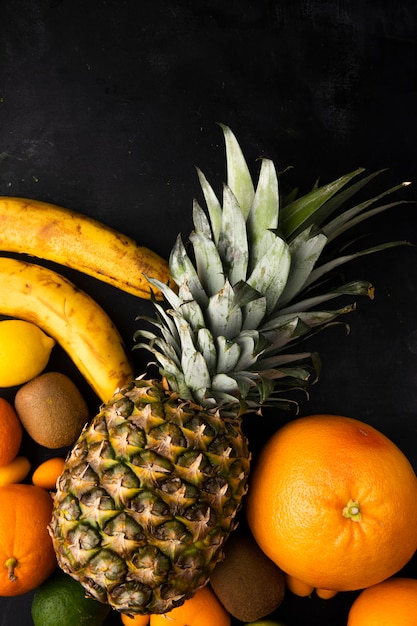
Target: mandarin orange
203	609
48	472
390	603
333	502
11	432
27	557
15	471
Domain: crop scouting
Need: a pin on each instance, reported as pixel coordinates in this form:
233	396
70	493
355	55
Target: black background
107	106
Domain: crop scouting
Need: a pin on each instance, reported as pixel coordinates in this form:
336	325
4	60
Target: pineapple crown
251	284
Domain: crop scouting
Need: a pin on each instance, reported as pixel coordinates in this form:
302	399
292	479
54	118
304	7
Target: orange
390	603
48	472
203	609
15	471
137	620
11	432
333	502
27	557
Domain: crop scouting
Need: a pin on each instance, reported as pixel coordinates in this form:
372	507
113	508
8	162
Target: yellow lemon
24	352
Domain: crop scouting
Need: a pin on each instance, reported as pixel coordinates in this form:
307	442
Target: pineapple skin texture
148	497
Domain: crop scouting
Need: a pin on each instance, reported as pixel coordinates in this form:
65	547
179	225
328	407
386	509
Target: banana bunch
42	296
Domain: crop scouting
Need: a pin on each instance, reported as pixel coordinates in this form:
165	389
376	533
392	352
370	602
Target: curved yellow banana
66	237
82	328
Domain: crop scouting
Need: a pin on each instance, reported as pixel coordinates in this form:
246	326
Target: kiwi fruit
248	584
51	409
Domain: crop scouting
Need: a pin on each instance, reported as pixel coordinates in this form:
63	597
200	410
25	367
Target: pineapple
151	490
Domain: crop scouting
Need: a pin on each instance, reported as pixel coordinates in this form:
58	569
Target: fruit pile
156	511
40	309
51	410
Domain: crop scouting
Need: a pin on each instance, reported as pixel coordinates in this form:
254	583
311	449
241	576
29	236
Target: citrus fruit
333	502
390	603
11	432
48	472
27	557
61	600
15	471
203	609
137	620
24	352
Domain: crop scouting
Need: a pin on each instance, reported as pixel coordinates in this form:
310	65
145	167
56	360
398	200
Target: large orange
390	603
27	556
333	502
11	432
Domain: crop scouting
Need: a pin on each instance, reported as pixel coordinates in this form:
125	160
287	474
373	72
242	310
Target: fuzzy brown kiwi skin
248	584
52	410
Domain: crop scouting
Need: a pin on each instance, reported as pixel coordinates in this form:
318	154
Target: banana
71	317
68	238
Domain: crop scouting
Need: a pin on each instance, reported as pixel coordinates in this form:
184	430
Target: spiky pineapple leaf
308	318
205	344
302	211
184	273
201	221
270	274
253	313
162	321
244	293
305	250
213	205
341	260
263	216
249	344
354	288
228	355
169	295
356	214
194	367
233	243
222	315
278	360
208	263
192	313
297	377
246	382
333	204
239	179
162	347
224	388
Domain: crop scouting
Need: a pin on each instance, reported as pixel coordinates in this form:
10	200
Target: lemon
24	352
61	601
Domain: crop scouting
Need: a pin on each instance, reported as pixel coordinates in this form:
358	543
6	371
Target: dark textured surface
106	106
